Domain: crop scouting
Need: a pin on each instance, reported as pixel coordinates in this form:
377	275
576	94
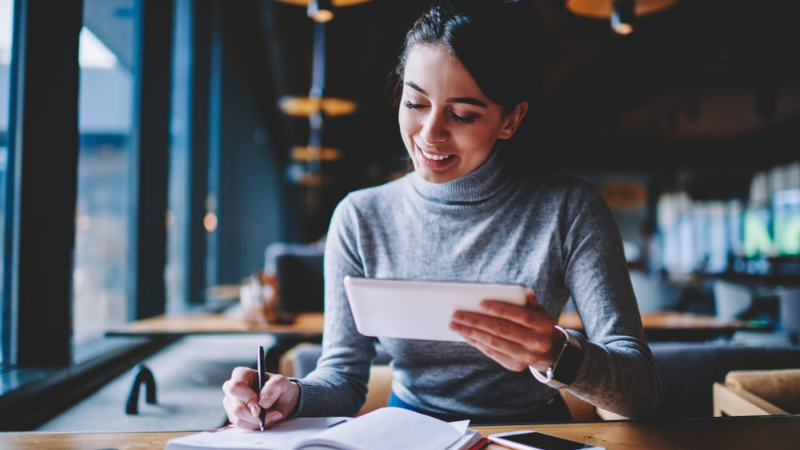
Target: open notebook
389	427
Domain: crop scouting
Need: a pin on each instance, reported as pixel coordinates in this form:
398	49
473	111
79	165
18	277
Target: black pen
260	367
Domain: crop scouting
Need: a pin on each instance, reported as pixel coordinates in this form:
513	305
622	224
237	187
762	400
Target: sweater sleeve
618	373
338	385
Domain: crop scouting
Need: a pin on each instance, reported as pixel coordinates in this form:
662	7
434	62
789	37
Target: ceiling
696	84
710	83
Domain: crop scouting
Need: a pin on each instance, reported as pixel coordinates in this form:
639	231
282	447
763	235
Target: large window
6	22
93	139
106	108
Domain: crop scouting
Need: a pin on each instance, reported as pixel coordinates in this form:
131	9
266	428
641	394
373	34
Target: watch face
567	367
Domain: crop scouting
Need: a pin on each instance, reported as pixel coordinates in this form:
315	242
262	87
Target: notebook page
281	436
388	428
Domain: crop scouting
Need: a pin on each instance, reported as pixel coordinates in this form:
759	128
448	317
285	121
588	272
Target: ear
512	120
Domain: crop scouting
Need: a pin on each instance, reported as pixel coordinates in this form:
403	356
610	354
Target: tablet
414	309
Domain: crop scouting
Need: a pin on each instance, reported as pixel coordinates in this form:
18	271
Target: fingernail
459	316
274	416
455	326
254	410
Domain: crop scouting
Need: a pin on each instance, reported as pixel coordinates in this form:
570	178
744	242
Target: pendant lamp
322	10
315	153
308	106
621	13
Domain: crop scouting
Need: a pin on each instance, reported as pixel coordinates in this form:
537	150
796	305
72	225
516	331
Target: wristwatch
565	365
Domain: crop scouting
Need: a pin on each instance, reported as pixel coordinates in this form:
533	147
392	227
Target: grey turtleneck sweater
554	234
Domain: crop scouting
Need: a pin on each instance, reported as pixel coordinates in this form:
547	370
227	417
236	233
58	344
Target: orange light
315	153
308	106
602	9
334	3
210	222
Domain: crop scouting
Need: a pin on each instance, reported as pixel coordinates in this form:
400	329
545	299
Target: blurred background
241	123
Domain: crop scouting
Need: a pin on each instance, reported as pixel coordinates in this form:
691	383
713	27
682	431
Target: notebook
388	427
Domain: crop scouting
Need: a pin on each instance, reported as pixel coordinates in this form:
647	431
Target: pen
337	423
260	367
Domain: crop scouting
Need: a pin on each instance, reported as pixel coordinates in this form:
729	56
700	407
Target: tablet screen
414	309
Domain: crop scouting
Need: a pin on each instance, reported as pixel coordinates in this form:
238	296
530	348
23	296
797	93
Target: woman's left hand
515	336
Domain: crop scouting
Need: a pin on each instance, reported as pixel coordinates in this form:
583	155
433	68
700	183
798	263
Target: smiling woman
470	211
448	124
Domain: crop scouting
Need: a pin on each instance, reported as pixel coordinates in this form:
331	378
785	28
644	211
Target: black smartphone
534	440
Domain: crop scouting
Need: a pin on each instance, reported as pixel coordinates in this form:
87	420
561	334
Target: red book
481	444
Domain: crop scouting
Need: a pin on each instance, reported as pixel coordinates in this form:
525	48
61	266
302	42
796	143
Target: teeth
435	157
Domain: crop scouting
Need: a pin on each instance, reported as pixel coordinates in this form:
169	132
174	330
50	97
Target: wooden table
729	433
305	325
660	325
679	326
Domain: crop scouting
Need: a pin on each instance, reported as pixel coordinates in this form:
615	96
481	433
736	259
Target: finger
239	414
243	393
275	387
530	351
241	376
532	316
531	298
507	361
272	417
522	333
496	340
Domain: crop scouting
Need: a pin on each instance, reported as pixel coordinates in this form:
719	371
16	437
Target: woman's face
448	125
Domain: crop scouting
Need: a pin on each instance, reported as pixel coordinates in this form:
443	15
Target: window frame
41	375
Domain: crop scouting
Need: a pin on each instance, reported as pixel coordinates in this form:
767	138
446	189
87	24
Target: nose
434	128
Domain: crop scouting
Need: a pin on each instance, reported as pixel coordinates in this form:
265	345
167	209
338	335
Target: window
107	71
6	22
178	222
108	246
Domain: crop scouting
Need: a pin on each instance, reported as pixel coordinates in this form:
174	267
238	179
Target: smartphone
534	440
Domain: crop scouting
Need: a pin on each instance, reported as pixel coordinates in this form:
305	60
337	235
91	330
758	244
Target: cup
259	299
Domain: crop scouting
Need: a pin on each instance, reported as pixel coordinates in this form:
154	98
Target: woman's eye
460	119
410	105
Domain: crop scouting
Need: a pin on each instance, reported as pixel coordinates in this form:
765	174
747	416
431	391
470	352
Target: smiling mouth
435	157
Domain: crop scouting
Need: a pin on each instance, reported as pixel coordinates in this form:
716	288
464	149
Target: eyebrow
467	100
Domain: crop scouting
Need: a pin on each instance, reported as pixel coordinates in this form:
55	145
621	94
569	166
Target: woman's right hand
243	404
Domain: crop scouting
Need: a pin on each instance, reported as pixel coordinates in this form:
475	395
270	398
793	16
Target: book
387	427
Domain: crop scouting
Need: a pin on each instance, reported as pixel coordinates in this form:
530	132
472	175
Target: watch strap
565	365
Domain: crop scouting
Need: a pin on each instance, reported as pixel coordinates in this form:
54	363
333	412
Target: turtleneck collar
479	186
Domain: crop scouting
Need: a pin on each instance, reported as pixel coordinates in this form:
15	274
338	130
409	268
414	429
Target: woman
466	79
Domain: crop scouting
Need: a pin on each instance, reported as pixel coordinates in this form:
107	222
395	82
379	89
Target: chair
688	371
302	359
298	270
731	299
758	392
654	293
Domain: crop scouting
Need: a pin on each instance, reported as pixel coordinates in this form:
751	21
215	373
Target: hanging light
622	13
322	10
308	106
315	153
622	17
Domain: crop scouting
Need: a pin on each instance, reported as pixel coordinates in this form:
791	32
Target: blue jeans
554	410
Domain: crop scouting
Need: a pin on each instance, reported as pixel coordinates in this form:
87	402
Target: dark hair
498	41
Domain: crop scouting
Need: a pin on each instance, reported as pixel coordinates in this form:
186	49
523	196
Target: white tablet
414	309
